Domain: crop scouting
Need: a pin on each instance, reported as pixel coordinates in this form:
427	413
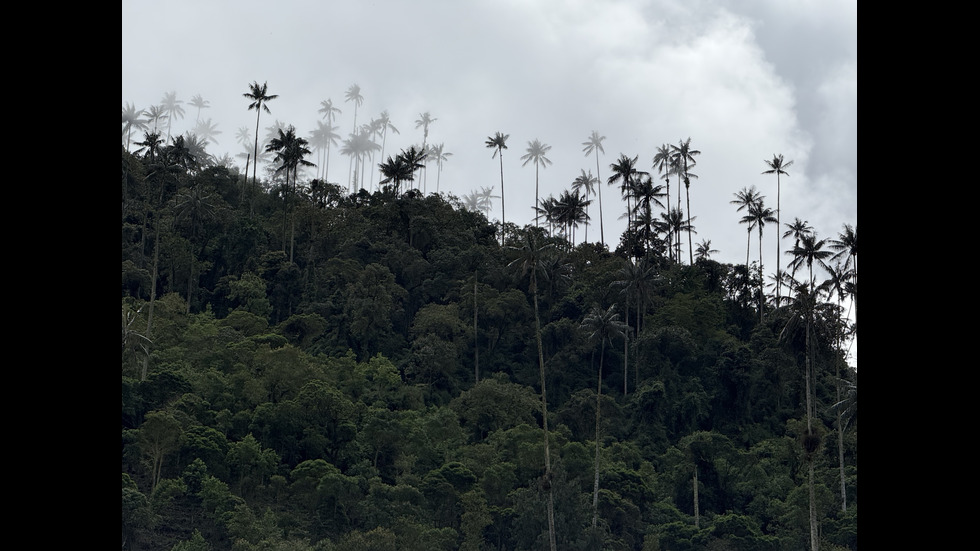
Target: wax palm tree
259	97
152	143
385	124
684	156
624	172
586	183
796	230
498	142
536	153
704	250
423	122
329	112
171	106
662	162
570	213
745	198
132	119
836	284
601	324
291	151
396	171
439	153
415	158
353	94
200	103
646	195
154	114
207	130
485	199
760	215
547	210
594	146
197	146
809	251
530	261
357	146
846	246
777	166
675	222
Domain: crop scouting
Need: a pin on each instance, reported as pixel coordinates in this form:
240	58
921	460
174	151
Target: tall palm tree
259	97
646	195
423	122
796	230
570	213
836	284
171	106
132	119
385	124
685	161
415	157
201	103
625	173
357	146
328	111
530	261
662	162
745	198
601	325
485	199
590	146
441	156
291	151
498	142
777	166
154	114
809	251
536	153
760	215
846	246
353	94
586	183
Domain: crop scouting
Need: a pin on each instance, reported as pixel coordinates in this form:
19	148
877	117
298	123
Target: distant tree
684	156
439	153
704	250
624	173
330	136
353	94
536	152
662	162
498	142
759	215
845	246
384	125
200	103
171	106
395	171
206	130
745	198
586	184
260	97
601	325
132	119
777	166
423	122
154	114
797	230
590	146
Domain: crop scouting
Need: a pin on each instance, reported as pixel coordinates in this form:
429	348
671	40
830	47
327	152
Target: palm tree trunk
690	248
602	233
544	413
503	209
598	396
697	508
153	297
476	338
626	340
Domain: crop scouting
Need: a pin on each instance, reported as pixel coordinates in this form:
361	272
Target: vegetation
305	367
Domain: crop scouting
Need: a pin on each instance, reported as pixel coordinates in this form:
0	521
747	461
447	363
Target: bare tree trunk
598	396
476	339
697	509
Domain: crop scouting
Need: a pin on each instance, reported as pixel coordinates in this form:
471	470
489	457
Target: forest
305	367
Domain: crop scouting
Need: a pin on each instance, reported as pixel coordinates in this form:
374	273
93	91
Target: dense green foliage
300	365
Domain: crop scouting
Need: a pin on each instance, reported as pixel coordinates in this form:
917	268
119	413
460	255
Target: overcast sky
743	79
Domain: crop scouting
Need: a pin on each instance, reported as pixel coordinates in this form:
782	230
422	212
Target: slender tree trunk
626	340
690	247
697	508
598	396
476	338
544	413
777	239
602	232
503	209
153	297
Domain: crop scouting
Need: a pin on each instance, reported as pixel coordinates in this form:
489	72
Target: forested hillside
304	368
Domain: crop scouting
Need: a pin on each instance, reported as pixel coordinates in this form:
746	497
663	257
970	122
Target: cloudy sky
743	79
